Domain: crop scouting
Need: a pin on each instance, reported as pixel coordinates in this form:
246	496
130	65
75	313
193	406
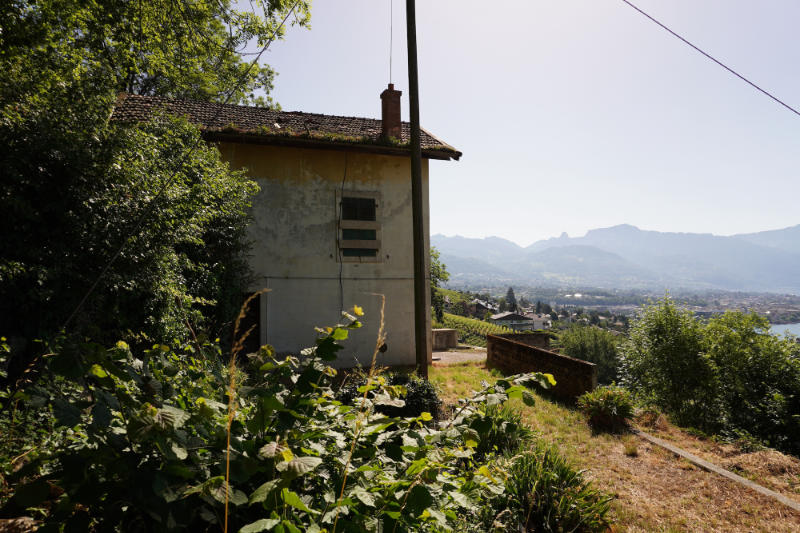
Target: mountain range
625	256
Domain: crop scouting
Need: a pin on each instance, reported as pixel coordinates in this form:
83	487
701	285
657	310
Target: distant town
613	304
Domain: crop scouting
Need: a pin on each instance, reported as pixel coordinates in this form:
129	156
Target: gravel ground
460	355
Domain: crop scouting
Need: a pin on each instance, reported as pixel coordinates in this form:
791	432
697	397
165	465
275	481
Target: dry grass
654	491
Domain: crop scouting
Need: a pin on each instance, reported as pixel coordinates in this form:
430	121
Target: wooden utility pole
420	275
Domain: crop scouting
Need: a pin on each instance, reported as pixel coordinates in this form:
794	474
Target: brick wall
573	376
539	340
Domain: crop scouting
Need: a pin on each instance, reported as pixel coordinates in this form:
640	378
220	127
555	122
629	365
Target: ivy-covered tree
76	188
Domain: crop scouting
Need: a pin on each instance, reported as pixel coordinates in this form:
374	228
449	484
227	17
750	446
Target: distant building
479	308
540	320
513	320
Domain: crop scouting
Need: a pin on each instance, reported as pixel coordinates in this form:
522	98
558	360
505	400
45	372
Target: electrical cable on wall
339	237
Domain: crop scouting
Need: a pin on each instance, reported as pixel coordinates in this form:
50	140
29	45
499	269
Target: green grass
653	492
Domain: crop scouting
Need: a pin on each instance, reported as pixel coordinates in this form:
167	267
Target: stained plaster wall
294	254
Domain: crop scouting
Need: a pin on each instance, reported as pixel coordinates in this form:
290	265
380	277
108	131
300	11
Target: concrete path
462	354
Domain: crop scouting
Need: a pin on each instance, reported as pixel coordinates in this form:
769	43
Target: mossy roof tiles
257	124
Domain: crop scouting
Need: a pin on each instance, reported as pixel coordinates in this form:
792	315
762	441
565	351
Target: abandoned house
332	223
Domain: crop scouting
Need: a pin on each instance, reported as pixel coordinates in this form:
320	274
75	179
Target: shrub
546	493
419	395
501	431
145	442
723	377
663	361
607	407
595	345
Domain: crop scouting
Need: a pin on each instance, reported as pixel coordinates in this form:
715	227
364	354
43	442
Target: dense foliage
729	375
75	188
181	49
595	345
608	408
471	330
439	275
137	442
420	394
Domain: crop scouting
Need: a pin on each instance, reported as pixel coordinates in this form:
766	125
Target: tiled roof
258	124
508	315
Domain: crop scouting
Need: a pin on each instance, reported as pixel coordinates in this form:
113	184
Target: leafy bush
595	345
501	431
608	407
171	439
546	493
472	331
419	395
663	361
725	376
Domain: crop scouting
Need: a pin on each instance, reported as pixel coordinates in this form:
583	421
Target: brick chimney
391	126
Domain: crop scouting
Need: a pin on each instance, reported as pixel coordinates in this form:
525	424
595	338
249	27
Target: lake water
780	329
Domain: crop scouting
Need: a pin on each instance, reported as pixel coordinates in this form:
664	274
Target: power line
715	60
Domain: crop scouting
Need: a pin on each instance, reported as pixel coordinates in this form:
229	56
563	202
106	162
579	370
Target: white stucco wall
294	254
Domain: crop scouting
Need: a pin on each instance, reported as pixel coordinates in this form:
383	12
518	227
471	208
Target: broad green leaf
290	527
179	451
528	398
270	449
287	454
302	465
366	498
261	493
265	524
293	500
98	372
339	334
171	416
461	499
516	391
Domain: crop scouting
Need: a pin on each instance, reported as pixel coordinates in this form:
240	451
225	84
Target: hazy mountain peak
625	256
619	228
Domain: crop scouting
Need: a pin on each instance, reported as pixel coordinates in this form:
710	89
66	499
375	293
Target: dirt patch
770	468
461	355
655	491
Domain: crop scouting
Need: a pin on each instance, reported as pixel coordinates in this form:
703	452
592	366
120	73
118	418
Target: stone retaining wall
539	340
573	376
444	338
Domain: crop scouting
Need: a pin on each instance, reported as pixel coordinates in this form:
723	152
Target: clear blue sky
575	114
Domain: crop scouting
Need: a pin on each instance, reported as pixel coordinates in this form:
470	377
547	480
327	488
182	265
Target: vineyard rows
471	330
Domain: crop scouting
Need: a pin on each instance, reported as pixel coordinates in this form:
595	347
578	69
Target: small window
358	236
358	208
349	234
359	252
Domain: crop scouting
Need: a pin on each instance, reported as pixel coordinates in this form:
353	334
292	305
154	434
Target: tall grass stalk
379	341
238	345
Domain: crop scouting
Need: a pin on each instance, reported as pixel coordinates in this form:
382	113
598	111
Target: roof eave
303	142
